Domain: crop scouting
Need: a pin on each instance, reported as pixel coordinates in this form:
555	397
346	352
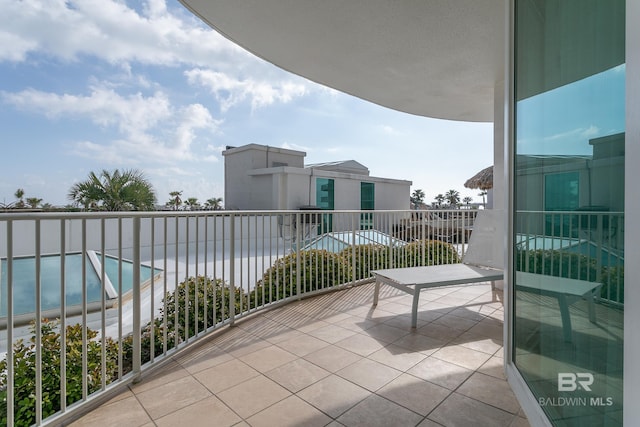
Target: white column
632	217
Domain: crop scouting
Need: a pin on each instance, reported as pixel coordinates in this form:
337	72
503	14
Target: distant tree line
126	190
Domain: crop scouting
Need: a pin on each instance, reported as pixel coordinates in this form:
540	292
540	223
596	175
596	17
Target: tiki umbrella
483	180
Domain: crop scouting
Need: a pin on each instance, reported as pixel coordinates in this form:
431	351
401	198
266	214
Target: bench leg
592	307
414	308
566	319
375	293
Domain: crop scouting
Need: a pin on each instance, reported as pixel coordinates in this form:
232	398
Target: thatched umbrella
483	180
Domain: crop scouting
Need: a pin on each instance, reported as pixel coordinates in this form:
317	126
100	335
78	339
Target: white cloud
230	91
149	127
109	30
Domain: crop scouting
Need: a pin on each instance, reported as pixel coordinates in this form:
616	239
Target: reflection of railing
579	245
218	266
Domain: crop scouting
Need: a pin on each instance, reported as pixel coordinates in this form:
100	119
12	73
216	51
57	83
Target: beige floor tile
252	396
403	321
170	397
284	334
478	342
439	372
490	390
290	412
332	358
397	357
439	332
356	323
488	329
519	422
126	411
386	333
463	356
204	358
268	358
413	393
428	423
376	411
122	395
303	345
493	367
333	395
331	333
369	374
247	345
360	344
297	374
455	322
171	372
225	375
419	343
200	414
461	411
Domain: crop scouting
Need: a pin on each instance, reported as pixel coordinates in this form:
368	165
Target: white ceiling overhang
435	58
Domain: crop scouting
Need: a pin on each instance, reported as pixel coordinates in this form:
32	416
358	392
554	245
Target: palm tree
192	202
439	199
483	193
175	200
214	203
417	198
19	195
453	197
114	191
33	202
467	200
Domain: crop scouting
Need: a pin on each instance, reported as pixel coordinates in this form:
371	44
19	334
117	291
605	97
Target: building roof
435	58
347	166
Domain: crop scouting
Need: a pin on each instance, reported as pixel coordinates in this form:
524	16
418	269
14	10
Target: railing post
232	269
10	367
135	292
298	245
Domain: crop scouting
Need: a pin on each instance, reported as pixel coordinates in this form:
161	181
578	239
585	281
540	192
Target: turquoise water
111	270
24	288
24	281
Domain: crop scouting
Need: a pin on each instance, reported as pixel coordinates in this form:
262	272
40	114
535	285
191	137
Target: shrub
425	252
25	371
320	269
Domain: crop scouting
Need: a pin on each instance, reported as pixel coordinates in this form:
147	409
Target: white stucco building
560	81
259	177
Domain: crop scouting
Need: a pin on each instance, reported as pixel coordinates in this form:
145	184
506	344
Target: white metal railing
207	269
581	245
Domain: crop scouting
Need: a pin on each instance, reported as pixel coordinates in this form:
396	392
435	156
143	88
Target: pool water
24	275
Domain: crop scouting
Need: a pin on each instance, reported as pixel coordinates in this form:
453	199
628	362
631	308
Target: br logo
568	381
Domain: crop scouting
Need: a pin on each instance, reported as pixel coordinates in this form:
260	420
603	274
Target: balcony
334	360
191	314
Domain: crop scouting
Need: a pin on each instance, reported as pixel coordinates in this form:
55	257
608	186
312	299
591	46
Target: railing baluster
137	341
63	318
38	325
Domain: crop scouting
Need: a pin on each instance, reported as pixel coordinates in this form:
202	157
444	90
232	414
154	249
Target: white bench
481	263
414	279
566	291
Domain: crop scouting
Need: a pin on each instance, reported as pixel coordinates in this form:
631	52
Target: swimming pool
24	279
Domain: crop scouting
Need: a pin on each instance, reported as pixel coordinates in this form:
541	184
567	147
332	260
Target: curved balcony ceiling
435	58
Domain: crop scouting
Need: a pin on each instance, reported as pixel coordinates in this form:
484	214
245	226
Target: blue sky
103	84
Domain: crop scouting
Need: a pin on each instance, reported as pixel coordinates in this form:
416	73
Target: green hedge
25	371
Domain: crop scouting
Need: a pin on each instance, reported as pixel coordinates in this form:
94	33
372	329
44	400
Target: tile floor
333	360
